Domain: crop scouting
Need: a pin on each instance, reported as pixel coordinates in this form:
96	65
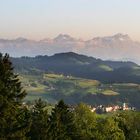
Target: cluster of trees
63	123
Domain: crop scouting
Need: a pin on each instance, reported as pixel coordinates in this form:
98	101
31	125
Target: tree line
63	123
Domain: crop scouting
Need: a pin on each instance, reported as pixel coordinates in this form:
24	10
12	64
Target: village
101	109
112	108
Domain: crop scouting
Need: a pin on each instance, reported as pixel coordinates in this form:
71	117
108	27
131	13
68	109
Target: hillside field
53	87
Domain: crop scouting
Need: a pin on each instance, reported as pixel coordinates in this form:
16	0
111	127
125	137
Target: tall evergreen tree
11	95
61	124
39	121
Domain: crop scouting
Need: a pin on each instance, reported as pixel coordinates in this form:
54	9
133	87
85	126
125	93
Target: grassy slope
53	87
37	86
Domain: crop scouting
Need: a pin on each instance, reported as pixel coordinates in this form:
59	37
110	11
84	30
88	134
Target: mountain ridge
80	66
117	47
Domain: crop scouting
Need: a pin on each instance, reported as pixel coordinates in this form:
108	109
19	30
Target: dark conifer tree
39	121
11	95
61	125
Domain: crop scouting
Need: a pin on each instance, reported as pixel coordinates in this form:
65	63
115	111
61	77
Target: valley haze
119	47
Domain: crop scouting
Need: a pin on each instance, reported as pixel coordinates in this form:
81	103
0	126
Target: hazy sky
37	19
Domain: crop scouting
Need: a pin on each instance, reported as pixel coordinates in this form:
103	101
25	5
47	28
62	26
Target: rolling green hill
80	66
53	87
49	84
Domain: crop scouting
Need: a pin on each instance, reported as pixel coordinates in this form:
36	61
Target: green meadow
53	87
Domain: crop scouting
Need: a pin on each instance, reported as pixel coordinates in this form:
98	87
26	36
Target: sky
38	19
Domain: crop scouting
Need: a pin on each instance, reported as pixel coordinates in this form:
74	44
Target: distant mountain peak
64	37
121	36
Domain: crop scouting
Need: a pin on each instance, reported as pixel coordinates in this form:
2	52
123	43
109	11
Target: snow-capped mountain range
116	47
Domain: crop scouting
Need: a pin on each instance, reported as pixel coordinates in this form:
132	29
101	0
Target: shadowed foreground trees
12	119
18	122
85	121
61	123
39	118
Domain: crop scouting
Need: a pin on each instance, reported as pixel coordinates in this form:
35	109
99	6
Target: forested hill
81	66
